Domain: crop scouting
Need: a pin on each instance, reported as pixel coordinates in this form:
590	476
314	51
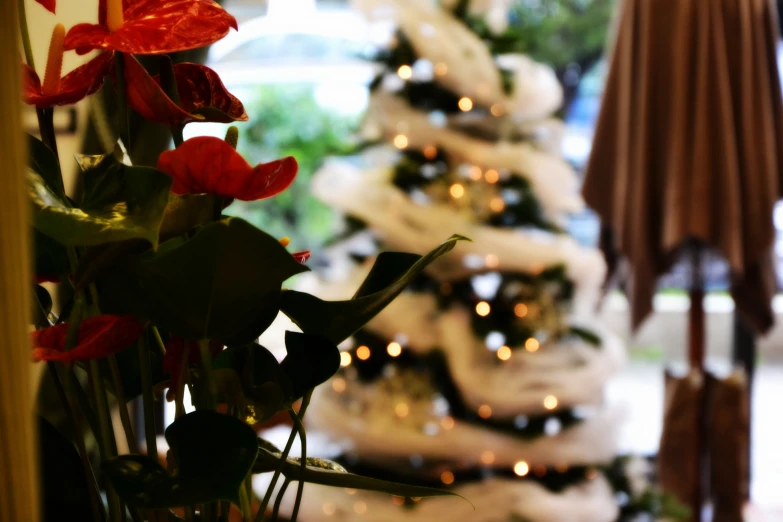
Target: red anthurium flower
71	88
175	351
153	27
48	4
207	165
302	256
202	96
98	337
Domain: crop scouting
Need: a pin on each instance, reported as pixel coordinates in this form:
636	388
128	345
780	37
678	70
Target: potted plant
162	291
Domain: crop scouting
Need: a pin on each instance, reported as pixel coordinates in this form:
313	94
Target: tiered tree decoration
488	376
162	291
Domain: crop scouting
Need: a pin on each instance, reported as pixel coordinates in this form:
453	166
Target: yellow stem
114	16
54	62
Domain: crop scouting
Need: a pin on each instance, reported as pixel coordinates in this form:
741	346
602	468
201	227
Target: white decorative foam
407	226
573	372
438	37
375	432
493	500
537	91
553	179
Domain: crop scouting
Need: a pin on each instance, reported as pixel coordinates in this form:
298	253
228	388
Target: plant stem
279	499
303	462
28	48
249	489
217	209
225	511
276	476
76	392
122	99
150	432
46	128
74	323
98	513
176	135
244	505
179	393
210	393
119	392
283	457
168	81
106	439
158	341
102	407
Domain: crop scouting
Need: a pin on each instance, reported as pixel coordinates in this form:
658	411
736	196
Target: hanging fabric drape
687	162
689	144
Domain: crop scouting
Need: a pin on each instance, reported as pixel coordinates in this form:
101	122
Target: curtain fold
688	144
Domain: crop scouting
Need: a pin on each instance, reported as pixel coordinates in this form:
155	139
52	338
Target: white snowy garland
490	500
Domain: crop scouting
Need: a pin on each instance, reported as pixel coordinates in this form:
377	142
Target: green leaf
186	212
312	359
265	367
62	481
120	202
51	258
338	320
44	163
182	214
268	446
213	455
327	473
265	386
224	283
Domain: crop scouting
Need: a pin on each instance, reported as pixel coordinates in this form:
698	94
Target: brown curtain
689	141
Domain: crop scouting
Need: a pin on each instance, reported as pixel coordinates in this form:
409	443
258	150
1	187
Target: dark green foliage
64	487
328	473
213	455
427	474
223	284
43	162
51	259
269	386
337	320
119	202
312	359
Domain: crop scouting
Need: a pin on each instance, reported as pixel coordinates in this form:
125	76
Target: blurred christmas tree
568	35
488	377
